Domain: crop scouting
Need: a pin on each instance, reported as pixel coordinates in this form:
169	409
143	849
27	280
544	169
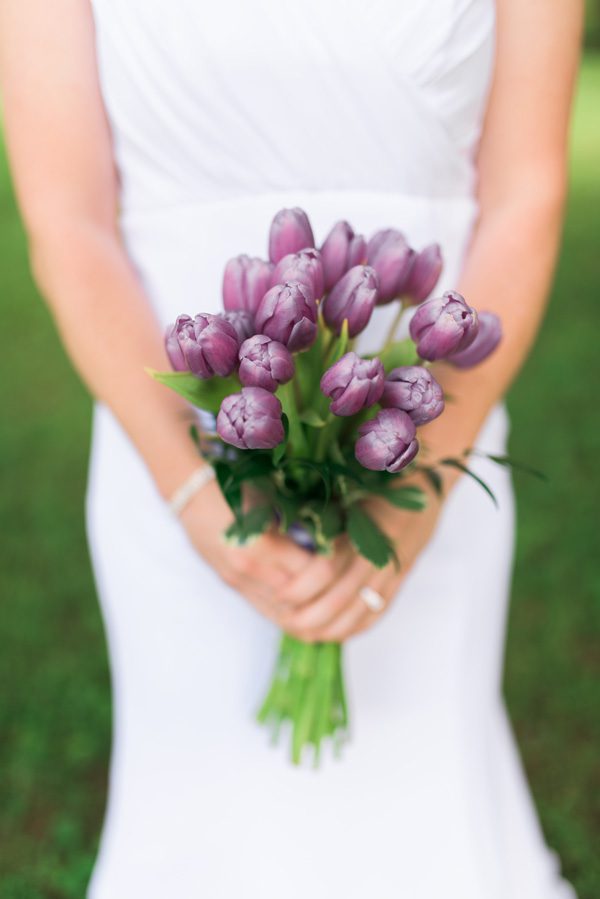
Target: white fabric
221	115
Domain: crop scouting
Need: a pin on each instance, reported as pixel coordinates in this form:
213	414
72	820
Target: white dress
222	113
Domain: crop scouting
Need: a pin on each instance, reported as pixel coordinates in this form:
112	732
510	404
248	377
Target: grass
55	706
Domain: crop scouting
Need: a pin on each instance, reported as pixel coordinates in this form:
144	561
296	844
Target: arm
508	269
60	150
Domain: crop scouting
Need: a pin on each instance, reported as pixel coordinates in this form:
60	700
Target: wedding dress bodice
213	101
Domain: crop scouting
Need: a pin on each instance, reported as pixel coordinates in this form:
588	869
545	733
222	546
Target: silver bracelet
190	487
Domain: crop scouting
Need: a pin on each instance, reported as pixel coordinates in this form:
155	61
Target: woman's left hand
337	611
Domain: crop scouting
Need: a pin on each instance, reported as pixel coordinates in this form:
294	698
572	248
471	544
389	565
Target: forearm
508	270
111	334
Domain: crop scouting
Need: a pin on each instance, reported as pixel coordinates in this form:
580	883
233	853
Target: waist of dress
318	201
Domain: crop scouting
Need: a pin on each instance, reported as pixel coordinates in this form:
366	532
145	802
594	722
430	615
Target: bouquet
313	426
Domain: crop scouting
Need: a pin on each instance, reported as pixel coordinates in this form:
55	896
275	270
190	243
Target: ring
372	599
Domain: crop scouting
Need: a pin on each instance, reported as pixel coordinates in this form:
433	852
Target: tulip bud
243	323
290	232
304	266
206	345
353	298
288	314
443	325
265	363
413	389
245	282
341	250
251	419
387	442
424	273
353	384
392	259
488	337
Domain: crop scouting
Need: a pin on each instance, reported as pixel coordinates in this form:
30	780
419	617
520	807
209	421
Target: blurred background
55	702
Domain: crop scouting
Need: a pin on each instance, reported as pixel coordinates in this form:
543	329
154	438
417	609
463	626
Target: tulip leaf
280	450
412	498
251	466
368	539
206	394
288	508
230	488
312	418
332	520
454	463
403	352
511	463
434	478
249	526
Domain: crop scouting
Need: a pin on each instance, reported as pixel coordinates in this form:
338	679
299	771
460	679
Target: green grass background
54	702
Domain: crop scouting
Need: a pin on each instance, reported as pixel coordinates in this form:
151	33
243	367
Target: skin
68	194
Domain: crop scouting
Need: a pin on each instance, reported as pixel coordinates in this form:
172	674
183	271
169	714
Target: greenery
592	24
54	708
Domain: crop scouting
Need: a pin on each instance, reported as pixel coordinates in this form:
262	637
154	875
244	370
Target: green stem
394	325
327	435
297	436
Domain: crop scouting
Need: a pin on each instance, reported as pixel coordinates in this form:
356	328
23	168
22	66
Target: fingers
309	620
316	576
278	550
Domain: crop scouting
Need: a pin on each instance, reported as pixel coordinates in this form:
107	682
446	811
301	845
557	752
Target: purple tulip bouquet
291	409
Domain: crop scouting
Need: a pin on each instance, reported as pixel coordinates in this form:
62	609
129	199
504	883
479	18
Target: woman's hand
325	596
261	570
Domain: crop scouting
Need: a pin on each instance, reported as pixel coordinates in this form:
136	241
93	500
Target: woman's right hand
259	570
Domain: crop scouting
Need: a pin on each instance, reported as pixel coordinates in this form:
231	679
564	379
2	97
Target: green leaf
320	469
252	465
434	479
288	508
195	435
412	498
511	463
230	488
454	463
251	525
205	394
402	352
332	520
312	418
367	537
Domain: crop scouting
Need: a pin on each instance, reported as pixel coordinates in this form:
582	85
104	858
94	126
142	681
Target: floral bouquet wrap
313	426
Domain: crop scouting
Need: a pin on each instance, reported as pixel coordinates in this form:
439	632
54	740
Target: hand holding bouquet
314	427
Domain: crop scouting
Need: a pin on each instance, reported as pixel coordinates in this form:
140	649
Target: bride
149	143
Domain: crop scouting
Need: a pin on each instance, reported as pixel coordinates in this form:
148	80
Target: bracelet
190	487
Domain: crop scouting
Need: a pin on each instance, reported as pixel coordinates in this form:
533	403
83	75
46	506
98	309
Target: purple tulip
488	337
251	419
245	282
290	232
304	266
424	273
387	442
392	259
353	298
413	389
243	323
265	363
288	314
353	384
206	345
342	249
443	325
